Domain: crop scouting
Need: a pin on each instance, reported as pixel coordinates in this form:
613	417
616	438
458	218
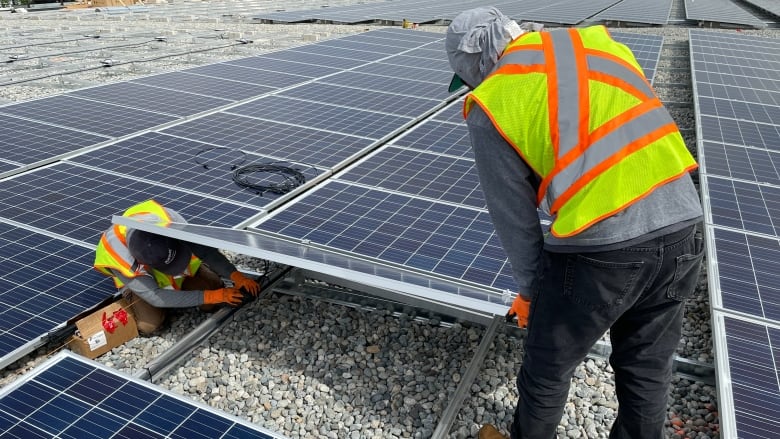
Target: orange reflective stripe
120	236
617	121
517	48
619	83
112	252
591	174
515	68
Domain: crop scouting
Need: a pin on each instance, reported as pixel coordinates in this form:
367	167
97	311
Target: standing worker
565	120
159	272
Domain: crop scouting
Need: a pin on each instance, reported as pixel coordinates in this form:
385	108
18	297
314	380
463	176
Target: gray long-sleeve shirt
510	188
146	287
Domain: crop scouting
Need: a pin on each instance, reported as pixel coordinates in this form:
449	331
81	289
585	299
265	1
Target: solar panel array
568	12
771	6
720	11
736	83
637	11
177	137
72	397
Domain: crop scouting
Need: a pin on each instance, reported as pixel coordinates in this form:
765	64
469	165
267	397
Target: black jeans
637	293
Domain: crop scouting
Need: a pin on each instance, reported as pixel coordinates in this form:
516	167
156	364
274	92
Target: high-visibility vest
576	106
112	252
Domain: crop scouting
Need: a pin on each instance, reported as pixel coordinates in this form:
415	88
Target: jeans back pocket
686	273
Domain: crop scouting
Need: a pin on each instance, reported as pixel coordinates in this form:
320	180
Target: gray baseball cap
474	41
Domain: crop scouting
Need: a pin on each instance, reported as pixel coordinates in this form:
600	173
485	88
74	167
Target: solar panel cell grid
399	71
364	99
25	142
59	199
278	65
756	165
141	96
205	85
74	398
249	75
439	137
282	141
313	58
410	87
319	50
744	205
443	239
423	174
88	116
323	116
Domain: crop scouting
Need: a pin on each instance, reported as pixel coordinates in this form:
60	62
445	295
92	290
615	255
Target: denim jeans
637	293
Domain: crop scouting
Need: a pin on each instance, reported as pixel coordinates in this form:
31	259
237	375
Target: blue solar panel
340	52
375	45
5	166
753	351
439	238
89	116
452	113
144	97
282	141
751	164
405	86
71	397
419	62
440	137
78	202
184	164
44	282
646	50
323	116
249	75
26	142
743	205
364	99
205	85
422	174
399	71
292	67
314	58
748	273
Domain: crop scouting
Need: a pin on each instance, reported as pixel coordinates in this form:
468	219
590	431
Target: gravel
310	368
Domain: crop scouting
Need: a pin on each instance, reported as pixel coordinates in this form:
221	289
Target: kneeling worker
159	272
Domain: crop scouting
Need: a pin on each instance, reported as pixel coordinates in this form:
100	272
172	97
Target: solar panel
249	75
747	273
5	166
722	11
400	86
442	239
314	58
376	45
737	113
88	116
272	139
25	142
184	164
205	85
78	202
637	11
646	50
322	49
72	397
141	96
44	282
771	6
452	113
399	71
441	137
752	394
567	11
323	116
277	65
401	105
421	174
737	162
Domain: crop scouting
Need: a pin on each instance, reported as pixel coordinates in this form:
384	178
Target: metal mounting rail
164	362
456	400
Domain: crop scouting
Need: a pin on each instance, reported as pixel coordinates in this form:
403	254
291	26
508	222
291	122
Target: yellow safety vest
576	106
112	252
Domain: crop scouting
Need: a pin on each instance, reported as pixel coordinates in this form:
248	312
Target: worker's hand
241	281
231	296
519	309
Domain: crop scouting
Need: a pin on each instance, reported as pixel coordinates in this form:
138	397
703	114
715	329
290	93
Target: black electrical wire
206	150
290	178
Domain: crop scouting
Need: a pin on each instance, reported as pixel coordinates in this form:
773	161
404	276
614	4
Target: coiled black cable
291	178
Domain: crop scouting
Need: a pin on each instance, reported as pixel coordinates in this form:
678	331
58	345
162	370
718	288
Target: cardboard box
104	330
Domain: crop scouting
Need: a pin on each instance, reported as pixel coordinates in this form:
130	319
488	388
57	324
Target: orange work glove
231	296
519	309
241	281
